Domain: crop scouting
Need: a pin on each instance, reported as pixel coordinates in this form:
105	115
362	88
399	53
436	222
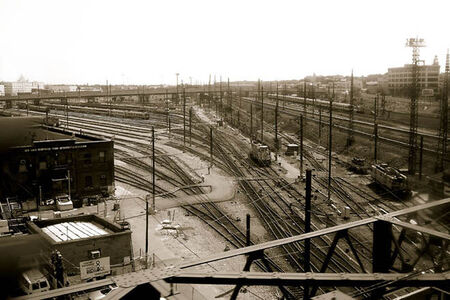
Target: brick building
38	162
83	238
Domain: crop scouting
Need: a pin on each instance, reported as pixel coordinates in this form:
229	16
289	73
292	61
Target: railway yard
209	183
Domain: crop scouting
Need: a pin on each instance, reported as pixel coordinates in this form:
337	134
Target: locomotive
260	153
390	178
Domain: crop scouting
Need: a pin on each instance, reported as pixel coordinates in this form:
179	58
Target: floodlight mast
415	44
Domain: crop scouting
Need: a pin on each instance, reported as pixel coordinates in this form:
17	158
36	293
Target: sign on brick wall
94	268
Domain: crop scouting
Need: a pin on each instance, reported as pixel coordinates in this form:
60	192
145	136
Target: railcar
390	178
358	165
136	114
324	104
40	108
21	105
260	153
51	121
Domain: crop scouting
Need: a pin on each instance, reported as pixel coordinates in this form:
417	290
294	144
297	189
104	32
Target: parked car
63	202
100	294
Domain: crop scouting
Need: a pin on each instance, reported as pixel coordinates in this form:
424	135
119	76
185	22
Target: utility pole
421	157
110	99
67	111
262	113
177	74
276	127
215	98
210	149
167	110
375	129
375	140
221	102
184	119
107	97
330	146
304	97
415	44
350	137
443	125
190	127
230	101
153	170
251	121
313	100
209	92
68	184
239	110
307	267
170	131
320	123
301	146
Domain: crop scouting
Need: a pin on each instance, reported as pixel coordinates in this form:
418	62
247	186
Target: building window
101	156
95	254
42	165
22	166
62	159
88	181
87	158
102	180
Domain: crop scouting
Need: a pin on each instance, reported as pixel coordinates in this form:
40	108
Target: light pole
177	74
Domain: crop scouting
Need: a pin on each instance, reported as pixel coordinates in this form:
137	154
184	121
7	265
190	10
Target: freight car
32	107
260	153
108	112
390	178
324	104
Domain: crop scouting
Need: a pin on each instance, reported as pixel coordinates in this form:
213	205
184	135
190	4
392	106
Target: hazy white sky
147	42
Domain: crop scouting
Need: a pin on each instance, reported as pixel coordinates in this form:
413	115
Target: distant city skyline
147	42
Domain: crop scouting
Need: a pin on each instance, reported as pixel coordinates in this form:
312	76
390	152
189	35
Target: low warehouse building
86	238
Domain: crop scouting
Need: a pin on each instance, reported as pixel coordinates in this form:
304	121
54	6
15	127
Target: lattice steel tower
443	126
415	44
350	137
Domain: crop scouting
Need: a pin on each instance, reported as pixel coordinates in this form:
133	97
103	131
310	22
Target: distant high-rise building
400	79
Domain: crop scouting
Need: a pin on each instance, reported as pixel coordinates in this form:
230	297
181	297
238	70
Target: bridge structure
389	269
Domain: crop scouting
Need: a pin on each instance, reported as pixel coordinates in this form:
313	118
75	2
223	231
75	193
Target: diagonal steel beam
355	253
330	253
418	228
397	249
248	263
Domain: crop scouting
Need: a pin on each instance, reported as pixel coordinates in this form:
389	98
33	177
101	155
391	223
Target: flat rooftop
23	131
74	228
69	231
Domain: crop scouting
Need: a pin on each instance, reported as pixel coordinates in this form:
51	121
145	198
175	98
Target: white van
33	281
63	202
